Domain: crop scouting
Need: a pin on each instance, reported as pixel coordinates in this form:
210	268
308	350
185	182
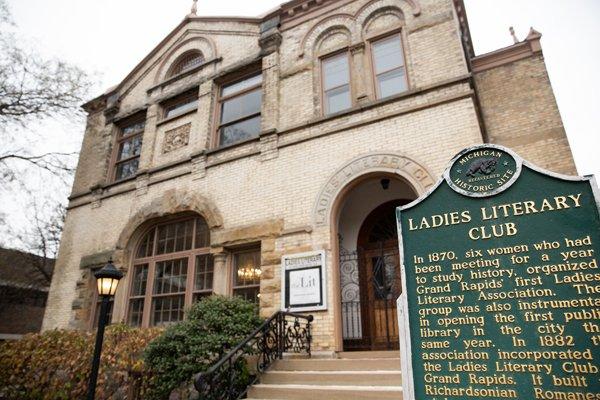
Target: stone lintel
248	233
96	259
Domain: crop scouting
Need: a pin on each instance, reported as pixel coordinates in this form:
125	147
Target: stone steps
356	378
331	392
350	375
339	364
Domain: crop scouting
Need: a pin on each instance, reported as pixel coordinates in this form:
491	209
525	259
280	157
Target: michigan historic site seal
483	171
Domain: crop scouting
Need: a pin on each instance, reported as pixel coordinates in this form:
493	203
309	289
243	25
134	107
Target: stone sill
177	77
376	103
232	145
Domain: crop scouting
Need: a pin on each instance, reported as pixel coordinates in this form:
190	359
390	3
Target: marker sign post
501	283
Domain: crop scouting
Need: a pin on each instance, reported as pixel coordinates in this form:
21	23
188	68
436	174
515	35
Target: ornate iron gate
370	284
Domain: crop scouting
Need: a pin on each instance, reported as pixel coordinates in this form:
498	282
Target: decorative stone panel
177	138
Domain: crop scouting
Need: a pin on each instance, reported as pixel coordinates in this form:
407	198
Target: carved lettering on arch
413	172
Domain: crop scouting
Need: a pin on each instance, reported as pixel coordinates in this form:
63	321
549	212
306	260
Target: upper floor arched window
185	62
389	67
172	268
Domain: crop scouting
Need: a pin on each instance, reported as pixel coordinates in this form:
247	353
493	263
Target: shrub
212	326
56	364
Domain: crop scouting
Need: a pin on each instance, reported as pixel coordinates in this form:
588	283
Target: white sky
109	37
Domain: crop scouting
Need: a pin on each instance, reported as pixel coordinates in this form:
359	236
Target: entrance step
351	375
328	378
332	392
369	354
340	364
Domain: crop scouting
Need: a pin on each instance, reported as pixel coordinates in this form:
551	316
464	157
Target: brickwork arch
200	43
372	8
334	37
322	28
382	19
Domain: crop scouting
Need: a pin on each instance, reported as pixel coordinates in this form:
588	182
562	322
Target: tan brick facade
519	107
281	189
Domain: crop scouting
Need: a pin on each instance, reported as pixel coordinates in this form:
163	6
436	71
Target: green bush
212	326
55	365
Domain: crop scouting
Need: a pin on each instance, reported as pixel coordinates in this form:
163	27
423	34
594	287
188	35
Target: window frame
253	249
322	90
155	258
119	138
233	79
187	97
372	41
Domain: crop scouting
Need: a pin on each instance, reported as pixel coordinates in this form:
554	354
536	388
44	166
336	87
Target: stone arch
406	168
375	6
172	202
319	30
200	43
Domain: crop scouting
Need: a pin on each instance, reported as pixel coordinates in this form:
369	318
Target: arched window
186	62
172	268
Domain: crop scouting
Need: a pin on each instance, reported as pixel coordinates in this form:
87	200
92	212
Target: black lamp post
108	280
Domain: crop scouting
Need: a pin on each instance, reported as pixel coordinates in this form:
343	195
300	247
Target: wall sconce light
385	183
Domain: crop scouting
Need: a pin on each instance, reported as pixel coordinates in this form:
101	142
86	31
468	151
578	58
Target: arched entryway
369	262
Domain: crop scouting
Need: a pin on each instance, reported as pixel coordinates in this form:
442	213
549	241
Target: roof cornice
506	55
286	12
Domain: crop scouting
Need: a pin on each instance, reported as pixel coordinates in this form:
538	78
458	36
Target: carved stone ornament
177	138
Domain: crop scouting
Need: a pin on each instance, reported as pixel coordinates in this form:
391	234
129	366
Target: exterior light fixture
385	183
108	281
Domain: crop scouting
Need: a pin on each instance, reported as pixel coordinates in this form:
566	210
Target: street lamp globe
108	279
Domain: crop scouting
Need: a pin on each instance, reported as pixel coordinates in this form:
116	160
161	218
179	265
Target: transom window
239	110
186	62
388	66
172	268
246	274
128	147
336	83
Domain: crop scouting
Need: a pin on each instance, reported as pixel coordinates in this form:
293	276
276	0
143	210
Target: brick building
237	141
24	285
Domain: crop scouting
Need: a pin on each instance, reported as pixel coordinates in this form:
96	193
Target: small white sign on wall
303	282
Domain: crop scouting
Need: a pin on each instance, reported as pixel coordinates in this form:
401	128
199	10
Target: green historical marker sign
501	283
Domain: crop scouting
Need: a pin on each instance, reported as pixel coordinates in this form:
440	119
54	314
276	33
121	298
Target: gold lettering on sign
509	311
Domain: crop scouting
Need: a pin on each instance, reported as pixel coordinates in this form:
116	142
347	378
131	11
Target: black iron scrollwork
231	376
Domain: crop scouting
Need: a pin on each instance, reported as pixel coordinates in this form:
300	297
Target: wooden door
383	287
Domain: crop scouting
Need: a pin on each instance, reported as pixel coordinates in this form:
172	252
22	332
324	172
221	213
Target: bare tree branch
33	89
41	239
